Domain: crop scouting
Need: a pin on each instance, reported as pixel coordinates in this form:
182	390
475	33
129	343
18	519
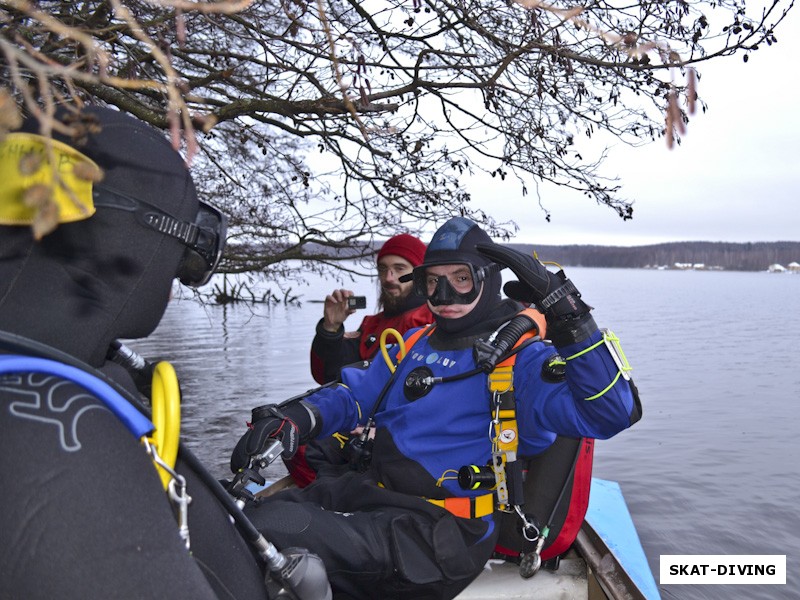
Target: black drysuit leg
376	543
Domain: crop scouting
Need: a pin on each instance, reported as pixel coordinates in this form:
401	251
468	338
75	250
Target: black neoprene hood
106	277
454	243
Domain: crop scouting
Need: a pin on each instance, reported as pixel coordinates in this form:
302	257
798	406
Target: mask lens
461	286
462	282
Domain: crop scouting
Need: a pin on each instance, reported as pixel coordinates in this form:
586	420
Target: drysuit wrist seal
327	335
306	417
564	332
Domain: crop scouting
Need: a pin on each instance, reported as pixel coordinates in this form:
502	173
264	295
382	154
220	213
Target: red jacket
331	351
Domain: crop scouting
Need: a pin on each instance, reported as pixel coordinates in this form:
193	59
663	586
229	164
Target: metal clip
268	455
529	530
178	495
501	485
496	402
495	421
180	498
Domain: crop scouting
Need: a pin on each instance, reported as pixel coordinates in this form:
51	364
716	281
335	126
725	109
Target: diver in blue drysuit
376	532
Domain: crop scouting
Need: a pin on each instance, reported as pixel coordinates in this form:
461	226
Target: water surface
712	468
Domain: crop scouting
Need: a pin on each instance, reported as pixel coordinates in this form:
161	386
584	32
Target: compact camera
357	302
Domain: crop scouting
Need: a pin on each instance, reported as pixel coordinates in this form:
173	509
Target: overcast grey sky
735	177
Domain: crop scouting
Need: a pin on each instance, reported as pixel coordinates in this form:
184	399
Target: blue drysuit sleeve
348	405
593	401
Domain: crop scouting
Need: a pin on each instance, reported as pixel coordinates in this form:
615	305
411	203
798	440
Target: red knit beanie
405	246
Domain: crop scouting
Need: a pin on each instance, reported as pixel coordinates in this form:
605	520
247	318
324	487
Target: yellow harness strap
504	418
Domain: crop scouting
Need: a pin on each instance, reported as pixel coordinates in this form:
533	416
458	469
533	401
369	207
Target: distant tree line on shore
729	256
751	256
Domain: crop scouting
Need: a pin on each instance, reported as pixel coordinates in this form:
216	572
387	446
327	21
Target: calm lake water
712	468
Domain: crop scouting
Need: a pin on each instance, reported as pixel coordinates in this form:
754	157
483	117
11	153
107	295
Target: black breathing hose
505	340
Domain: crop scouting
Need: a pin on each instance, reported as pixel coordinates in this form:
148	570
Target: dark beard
392	304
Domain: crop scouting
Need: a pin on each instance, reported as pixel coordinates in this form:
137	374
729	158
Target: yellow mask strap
24	164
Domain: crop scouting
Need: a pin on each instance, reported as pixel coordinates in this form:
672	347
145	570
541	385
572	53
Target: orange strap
414	337
467	508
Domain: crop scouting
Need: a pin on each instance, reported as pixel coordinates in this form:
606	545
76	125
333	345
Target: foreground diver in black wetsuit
83	512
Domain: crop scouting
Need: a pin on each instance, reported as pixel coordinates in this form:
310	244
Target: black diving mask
462	286
204	239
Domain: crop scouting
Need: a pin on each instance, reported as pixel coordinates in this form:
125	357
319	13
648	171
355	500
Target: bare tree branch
316	124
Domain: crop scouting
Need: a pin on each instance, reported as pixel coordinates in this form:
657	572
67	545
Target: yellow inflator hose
400	341
166	405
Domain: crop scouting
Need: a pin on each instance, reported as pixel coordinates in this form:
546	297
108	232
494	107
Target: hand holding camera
339	305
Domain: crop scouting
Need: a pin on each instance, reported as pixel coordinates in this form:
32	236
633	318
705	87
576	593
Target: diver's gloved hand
292	423
568	317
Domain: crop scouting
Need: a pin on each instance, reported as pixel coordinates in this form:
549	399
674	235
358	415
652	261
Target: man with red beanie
334	348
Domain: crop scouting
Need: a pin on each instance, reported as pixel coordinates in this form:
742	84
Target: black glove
292	423
568	317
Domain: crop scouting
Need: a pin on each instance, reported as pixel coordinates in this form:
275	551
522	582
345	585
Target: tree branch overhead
364	118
